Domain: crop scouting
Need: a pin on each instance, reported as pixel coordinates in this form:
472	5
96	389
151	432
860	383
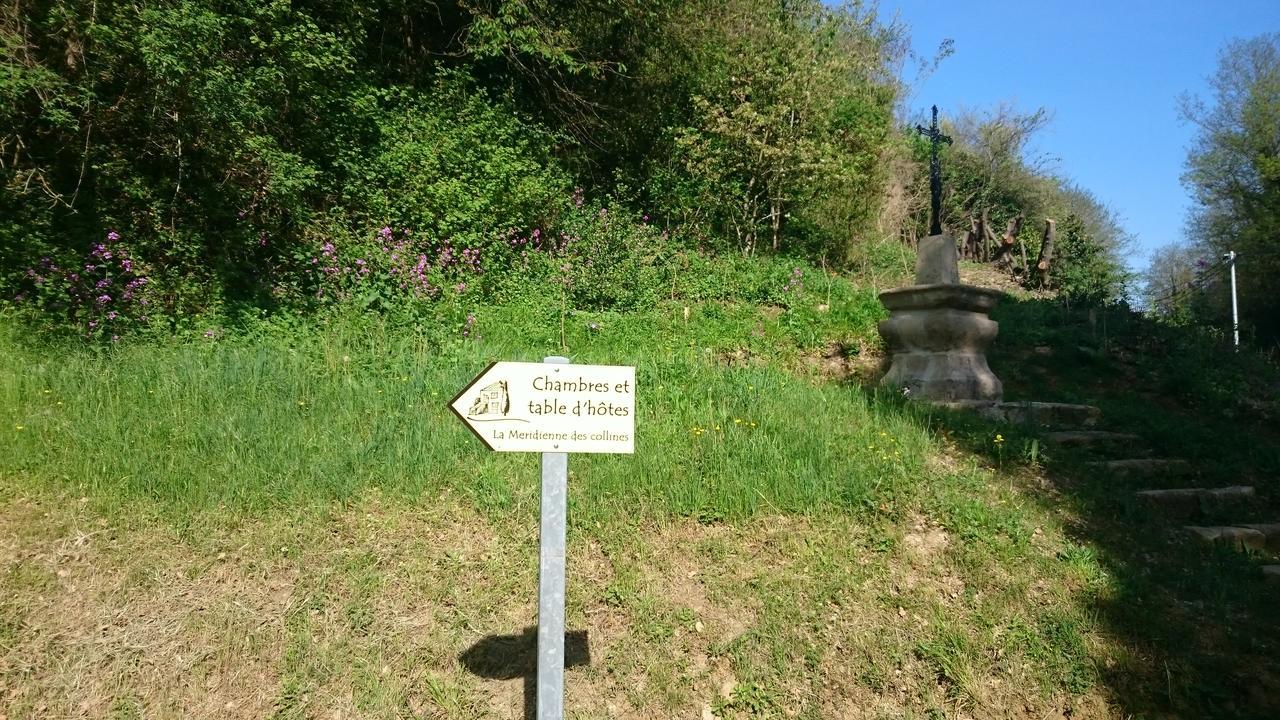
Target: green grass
325	415
299	502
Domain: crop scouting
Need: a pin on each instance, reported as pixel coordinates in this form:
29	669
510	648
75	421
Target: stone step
1084	438
1272	573
1040	414
1143	466
1253	536
1185	502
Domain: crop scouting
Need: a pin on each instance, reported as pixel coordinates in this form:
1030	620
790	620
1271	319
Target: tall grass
327	412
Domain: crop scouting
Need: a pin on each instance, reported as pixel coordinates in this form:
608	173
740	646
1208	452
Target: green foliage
1174	283
231	143
1084	271
287	414
987	168
990	169
452	164
791	107
103	295
1233	172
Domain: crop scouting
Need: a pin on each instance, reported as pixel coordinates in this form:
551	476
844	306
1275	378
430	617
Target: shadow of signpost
507	657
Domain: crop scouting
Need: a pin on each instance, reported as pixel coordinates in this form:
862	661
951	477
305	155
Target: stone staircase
1124	455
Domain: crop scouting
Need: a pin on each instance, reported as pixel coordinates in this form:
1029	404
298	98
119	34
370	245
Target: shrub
101	295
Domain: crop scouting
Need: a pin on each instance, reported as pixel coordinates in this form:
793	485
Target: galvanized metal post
555	481
1235	312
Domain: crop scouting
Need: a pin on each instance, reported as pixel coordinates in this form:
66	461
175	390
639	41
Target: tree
1233	173
1091	241
1172	282
991	177
792	105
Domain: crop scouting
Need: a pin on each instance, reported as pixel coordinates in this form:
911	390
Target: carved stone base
944	377
938	337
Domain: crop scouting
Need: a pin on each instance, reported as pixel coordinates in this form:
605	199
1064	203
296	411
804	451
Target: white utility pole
1235	312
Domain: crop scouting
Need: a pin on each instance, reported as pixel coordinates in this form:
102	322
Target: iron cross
935	173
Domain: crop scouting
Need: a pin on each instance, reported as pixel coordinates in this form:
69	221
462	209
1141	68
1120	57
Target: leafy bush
101	296
453	164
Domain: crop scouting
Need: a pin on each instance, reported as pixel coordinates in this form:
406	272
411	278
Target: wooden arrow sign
540	407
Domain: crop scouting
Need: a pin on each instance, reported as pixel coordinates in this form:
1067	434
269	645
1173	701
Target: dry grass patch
382	610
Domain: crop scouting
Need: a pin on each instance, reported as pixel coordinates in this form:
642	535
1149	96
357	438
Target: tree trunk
988	236
775	219
970	238
1025	267
1008	241
1046	251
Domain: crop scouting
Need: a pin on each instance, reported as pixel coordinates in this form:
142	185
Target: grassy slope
293	526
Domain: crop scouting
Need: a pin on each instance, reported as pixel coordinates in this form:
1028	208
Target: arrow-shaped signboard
541	407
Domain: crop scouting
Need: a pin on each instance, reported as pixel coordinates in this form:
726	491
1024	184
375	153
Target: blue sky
1110	74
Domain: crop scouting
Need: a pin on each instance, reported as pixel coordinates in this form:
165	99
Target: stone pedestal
938	336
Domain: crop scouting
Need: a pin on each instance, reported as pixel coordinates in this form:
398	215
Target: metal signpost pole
554	408
1235	313
555	480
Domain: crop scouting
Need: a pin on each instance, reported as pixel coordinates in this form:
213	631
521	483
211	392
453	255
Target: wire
1196	283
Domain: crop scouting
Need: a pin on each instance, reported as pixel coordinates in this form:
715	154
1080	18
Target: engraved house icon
492	400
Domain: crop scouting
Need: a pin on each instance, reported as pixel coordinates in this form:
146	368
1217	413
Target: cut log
970	240
1008	241
1046	250
988	238
979	231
